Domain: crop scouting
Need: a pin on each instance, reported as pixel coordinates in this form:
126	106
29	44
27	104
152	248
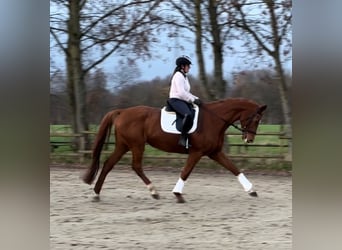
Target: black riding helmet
183	60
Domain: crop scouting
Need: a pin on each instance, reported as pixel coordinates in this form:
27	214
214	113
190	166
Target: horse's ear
262	109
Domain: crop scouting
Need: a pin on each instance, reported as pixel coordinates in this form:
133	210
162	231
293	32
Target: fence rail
274	145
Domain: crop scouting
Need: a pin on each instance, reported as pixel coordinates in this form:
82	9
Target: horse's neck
230	109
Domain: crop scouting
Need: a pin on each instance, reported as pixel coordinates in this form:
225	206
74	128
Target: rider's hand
198	102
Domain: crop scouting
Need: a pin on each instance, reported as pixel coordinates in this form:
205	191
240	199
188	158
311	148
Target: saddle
171	122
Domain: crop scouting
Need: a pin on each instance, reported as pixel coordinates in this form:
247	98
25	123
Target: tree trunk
279	68
76	85
283	91
284	102
70	91
199	51
220	85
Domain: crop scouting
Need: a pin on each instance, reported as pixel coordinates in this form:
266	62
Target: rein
243	130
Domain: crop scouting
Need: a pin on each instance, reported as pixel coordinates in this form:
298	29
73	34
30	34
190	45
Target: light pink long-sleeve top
180	88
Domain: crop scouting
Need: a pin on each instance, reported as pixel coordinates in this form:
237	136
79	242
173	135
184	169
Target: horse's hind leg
137	156
108	165
222	159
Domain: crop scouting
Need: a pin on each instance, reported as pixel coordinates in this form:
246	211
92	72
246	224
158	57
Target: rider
180	98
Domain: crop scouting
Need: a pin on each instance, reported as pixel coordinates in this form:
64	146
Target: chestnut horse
136	126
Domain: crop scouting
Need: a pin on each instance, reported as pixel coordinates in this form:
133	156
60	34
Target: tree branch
59	43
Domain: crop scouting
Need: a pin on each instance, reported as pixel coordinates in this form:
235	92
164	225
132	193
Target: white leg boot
179	186
245	182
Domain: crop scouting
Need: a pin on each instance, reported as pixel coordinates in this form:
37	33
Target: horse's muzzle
248	140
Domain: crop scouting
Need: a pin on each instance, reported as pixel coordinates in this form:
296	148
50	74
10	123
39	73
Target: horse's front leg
222	159
193	158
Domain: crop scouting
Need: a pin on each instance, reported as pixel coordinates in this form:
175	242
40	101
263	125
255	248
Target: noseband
244	130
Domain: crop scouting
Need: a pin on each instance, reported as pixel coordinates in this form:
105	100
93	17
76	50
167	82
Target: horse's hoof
97	190
87	179
253	194
156	196
96	198
179	197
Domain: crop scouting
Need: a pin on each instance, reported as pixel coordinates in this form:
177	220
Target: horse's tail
104	131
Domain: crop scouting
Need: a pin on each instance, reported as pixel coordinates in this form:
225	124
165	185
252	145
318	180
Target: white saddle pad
168	121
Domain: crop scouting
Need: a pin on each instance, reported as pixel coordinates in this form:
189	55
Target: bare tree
99	98
199	48
88	32
260	86
266	26
126	72
215	30
206	20
59	110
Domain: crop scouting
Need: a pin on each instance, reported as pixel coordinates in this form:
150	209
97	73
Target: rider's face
186	68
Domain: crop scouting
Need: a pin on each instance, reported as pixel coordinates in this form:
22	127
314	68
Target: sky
164	59
163	62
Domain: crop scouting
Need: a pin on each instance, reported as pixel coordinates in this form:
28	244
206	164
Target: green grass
259	140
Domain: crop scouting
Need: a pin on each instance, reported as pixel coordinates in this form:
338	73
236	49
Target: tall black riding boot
186	126
184	141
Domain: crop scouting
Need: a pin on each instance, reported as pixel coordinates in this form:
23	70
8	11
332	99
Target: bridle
245	129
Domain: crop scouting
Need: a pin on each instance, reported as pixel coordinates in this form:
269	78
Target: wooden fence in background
274	146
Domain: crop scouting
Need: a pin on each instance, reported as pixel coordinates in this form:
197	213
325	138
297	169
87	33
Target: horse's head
250	121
